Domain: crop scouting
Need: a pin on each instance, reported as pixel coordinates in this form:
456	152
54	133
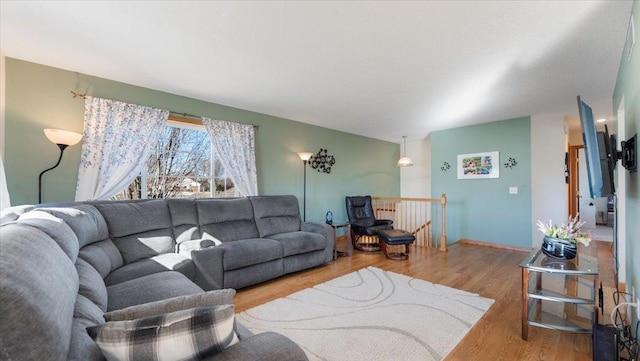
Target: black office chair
364	225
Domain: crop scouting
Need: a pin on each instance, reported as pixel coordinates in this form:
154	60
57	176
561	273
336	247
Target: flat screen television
598	152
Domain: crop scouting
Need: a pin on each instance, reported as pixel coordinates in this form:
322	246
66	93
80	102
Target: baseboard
494	245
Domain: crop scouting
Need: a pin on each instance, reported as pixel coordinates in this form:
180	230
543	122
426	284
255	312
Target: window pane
181	167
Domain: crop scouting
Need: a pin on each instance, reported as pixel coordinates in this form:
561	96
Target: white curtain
235	144
118	140
5	202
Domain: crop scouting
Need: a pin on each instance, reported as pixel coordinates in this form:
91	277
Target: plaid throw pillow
191	334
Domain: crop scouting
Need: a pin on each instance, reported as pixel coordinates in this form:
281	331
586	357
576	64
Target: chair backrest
360	210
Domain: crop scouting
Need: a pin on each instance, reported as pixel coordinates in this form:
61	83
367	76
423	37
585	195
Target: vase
559	248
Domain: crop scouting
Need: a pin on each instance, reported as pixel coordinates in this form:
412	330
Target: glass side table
559	294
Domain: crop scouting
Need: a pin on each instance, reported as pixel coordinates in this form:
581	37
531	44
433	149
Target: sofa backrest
38	288
226	219
140	229
184	218
87	228
93	236
276	214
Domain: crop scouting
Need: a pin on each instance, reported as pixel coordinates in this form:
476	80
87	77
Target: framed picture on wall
479	165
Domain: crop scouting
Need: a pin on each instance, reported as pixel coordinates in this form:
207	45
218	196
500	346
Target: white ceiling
381	69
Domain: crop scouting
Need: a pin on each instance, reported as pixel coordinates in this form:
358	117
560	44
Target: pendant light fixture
405	161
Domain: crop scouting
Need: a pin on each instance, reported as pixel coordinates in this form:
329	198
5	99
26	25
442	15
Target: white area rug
372	314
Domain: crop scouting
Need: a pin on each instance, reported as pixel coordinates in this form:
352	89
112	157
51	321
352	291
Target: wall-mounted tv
599	154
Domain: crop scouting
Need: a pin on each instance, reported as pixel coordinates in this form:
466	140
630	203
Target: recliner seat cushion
373	230
248	252
160	263
300	242
154	287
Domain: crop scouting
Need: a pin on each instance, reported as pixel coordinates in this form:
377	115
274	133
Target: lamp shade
305	155
63	137
405	162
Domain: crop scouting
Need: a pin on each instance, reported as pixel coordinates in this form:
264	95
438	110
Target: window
183	165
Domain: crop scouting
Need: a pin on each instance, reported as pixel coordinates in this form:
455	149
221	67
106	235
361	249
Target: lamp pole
62	148
305	156
304	192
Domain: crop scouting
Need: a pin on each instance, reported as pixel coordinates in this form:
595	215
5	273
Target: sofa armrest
194	245
328	233
209	268
211	298
267	346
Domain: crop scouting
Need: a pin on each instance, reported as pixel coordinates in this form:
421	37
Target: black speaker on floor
605	343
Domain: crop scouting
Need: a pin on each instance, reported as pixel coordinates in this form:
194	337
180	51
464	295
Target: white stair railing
417	216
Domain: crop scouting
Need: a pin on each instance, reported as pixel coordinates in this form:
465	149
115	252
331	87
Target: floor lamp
63	139
305	156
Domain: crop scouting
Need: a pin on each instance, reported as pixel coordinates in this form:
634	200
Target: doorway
597	213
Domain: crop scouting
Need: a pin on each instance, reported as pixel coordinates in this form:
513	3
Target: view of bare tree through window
181	167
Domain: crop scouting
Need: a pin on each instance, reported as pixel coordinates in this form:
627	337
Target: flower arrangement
570	231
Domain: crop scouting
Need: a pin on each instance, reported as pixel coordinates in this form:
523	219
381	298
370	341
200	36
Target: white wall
415	181
621	200
2	100
5	200
548	187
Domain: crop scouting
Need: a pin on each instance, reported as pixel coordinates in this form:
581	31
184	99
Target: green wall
483	209
38	97
628	86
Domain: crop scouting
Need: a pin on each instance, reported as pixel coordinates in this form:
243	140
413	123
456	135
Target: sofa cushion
192	334
86	314
12	213
248	252
91	284
300	242
226	219
210	298
140	229
104	256
88	310
85	221
83	347
276	214
38	292
147	266
55	228
184	218
154	287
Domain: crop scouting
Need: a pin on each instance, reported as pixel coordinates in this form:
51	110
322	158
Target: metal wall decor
445	166
511	163
322	162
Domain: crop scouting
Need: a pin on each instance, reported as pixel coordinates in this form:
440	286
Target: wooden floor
490	272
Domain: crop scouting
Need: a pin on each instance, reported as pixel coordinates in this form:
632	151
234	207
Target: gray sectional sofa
64	269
